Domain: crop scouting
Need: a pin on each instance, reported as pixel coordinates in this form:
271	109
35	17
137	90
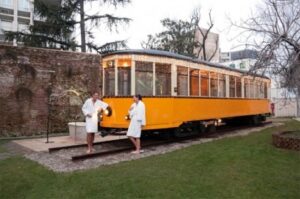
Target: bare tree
185	37
274	30
202	40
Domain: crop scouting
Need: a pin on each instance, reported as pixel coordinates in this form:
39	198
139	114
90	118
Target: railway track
124	145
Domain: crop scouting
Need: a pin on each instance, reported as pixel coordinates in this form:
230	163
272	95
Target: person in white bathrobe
90	109
137	116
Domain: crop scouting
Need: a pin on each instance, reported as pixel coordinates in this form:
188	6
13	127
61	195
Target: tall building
211	44
242	59
15	15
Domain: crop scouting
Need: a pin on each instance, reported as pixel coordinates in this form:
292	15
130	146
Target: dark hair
138	96
94	92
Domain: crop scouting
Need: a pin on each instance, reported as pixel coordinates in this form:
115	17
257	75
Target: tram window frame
144	70
109	78
204	79
265	90
238	87
232	86
213	84
163	72
182	80
252	88
221	85
246	88
260	90
194	81
124	81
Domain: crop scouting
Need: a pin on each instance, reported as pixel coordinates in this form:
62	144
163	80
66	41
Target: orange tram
180	93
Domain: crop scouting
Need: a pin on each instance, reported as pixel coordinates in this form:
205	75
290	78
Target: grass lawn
241	167
2	149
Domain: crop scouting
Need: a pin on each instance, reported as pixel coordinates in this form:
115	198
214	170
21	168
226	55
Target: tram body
178	90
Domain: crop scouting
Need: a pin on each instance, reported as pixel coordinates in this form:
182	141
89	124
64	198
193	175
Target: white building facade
15	15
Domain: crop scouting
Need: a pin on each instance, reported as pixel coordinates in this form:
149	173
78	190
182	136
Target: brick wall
41	84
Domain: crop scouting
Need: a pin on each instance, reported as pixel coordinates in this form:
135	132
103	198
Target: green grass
2	148
240	167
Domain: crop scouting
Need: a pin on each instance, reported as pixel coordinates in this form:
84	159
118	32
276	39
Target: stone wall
41	85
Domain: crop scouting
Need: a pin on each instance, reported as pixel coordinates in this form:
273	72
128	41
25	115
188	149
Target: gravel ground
61	161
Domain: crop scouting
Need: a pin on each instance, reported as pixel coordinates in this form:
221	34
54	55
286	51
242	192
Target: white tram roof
162	53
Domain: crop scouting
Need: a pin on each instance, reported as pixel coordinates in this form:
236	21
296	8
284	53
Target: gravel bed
60	161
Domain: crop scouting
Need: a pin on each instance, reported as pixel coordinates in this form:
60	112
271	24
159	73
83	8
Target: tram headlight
107	111
127	117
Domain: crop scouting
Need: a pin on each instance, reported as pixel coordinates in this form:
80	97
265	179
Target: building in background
242	59
211	44
15	15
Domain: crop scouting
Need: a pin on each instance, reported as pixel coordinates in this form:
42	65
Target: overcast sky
147	14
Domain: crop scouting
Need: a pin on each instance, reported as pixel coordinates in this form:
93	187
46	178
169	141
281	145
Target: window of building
232	65
162	79
232	86
204	83
109	78
222	85
23	27
182	80
213	84
6	25
24	5
6	4
238	87
194	82
144	78
242	65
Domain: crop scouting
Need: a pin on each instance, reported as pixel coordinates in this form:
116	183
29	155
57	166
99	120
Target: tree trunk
82	26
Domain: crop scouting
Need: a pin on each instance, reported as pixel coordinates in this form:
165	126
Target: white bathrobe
91	123
137	119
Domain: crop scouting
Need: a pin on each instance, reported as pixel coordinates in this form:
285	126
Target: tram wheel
211	128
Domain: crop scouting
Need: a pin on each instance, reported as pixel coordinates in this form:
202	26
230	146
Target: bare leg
92	141
88	139
138	144
133	141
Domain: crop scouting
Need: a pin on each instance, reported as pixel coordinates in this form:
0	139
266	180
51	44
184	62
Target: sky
147	14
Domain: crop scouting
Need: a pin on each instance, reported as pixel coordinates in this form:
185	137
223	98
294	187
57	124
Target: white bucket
77	131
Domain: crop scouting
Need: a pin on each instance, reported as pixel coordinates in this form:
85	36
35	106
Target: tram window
238	87
109	78
213	84
231	86
261	89
124	81
256	91
251	89
246	88
163	79
182	80
204	83
222	85
144	78
265	90
194	82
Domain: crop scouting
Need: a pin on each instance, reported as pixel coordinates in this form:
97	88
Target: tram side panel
206	109
171	112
